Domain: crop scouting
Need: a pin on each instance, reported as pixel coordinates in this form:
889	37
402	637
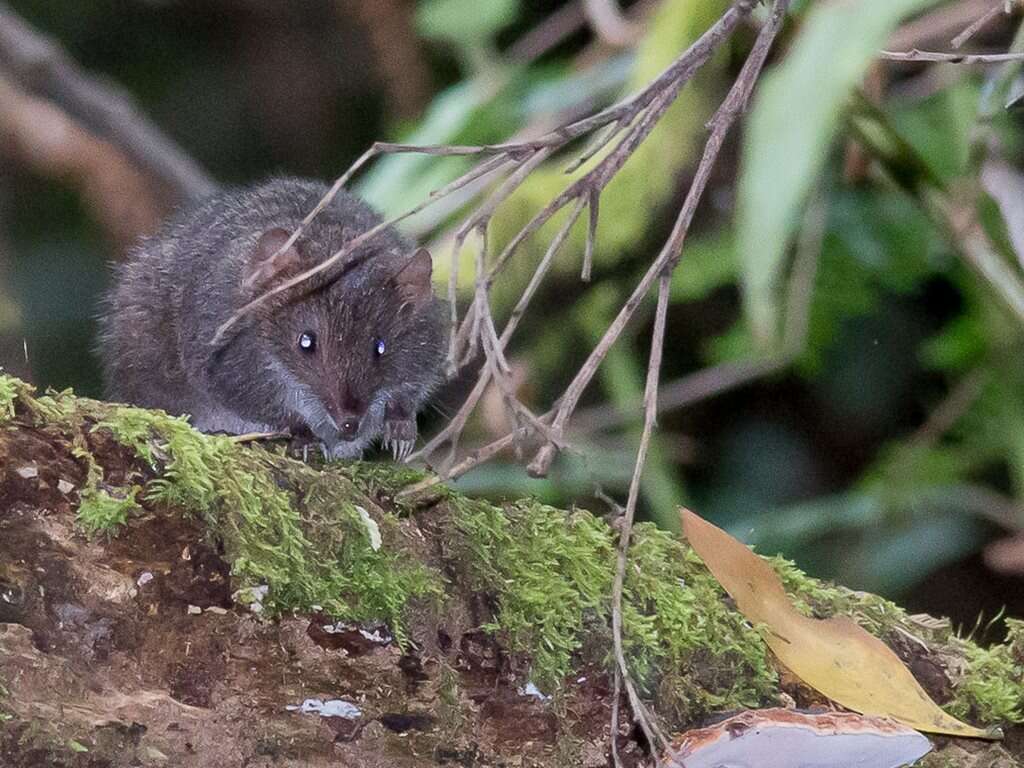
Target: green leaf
958	347
464	22
935	127
395	183
793	121
886	540
709	264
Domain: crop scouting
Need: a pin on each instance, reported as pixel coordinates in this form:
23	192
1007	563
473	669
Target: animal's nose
348	427
347	411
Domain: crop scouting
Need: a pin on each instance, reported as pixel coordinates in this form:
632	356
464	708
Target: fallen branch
41	66
39	135
157	613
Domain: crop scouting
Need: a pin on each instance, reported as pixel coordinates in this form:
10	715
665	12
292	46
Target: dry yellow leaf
834	656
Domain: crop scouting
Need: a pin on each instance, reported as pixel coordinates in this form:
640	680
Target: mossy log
173	599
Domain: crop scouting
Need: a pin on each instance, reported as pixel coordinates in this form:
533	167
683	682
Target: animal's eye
379	348
307	341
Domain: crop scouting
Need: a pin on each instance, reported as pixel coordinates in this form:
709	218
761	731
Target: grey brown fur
179	286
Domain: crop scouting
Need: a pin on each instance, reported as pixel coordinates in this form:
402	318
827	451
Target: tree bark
153	642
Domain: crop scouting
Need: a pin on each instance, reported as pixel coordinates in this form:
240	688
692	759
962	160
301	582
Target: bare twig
456	424
974	27
951	58
40	65
656	739
681	393
588	250
557	417
951	409
257	437
734	103
556	26
730	109
937	26
1005	184
616	693
473	459
979	251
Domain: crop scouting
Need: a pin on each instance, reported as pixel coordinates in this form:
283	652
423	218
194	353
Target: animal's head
347	346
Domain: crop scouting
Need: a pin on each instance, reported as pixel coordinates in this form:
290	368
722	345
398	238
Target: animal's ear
267	262
413	279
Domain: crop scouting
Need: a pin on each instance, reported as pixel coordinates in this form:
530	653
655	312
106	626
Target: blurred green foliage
830	57
824	460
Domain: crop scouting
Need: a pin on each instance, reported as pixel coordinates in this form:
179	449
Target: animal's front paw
400	437
345	449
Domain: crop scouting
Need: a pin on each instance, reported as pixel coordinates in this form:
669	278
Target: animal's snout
348	427
347	412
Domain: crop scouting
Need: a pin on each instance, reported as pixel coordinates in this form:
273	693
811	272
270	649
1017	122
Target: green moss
452	717
821	599
60	408
676	620
193	466
551	573
992	688
9	391
4	716
313	550
375	478
100	512
56	408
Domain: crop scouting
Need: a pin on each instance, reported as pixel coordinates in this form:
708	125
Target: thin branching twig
670	253
616	693
975	26
735	102
639	112
951	58
655	738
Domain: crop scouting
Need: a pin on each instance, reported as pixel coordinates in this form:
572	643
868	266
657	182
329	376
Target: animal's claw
399	438
405	449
